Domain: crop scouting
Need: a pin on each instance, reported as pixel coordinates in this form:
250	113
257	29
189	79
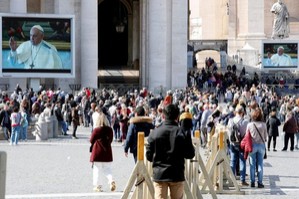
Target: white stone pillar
159	44
70	8
179	43
89	44
17	6
165	45
251	30
144	65
47	6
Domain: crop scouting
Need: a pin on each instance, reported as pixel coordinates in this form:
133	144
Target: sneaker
260	185
98	189
244	183
252	185
74	137
274	150
284	150
112	186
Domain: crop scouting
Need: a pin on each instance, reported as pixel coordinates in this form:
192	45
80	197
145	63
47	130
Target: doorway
113	45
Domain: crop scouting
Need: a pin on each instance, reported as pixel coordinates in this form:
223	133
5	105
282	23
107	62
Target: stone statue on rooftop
281	20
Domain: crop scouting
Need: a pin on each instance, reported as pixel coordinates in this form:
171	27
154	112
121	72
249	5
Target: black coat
167	148
272	126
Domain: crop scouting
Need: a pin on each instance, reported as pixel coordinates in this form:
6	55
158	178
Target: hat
38	27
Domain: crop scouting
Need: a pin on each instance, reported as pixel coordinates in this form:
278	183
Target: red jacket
100	140
246	145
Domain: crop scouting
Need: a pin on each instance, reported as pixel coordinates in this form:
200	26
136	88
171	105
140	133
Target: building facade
153	42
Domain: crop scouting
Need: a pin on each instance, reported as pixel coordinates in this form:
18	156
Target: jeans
116	130
5	132
256	157
23	132
15	133
63	126
237	155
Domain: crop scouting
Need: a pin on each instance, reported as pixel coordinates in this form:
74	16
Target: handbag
90	148
265	155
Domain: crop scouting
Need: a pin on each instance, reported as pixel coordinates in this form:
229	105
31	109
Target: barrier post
3	157
140	158
197	134
139	175
140	151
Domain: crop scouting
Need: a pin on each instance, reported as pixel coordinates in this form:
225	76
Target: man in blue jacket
138	123
168	146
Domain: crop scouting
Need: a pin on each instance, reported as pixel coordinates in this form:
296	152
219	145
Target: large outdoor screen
280	55
37	46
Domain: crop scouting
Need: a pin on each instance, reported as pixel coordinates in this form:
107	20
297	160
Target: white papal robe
42	56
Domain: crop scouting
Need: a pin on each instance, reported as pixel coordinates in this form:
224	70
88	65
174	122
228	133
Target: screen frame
40	73
277	43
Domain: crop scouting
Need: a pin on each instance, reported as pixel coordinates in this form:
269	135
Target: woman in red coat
101	153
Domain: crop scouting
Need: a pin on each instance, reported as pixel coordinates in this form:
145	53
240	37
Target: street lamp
120	27
121	20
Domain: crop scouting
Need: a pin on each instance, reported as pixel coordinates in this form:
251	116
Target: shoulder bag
265	155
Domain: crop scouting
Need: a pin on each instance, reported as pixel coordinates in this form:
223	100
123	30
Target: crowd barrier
213	176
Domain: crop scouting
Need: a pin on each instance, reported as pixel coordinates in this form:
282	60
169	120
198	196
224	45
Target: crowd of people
251	105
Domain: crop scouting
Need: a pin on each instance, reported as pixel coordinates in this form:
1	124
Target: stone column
164	35
70	8
179	37
143	73
47	6
89	44
251	30
19	7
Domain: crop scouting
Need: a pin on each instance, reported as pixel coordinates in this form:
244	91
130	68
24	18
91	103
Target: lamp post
120	27
121	20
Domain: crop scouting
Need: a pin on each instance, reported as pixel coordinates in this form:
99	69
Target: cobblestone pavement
60	168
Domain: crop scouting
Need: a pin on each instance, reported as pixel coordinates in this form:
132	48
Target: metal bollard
3	158
41	129
55	126
49	127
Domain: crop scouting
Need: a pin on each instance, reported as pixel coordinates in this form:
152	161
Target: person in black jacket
5	121
168	146
272	127
139	123
59	116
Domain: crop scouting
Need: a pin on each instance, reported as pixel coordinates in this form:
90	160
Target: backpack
235	135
